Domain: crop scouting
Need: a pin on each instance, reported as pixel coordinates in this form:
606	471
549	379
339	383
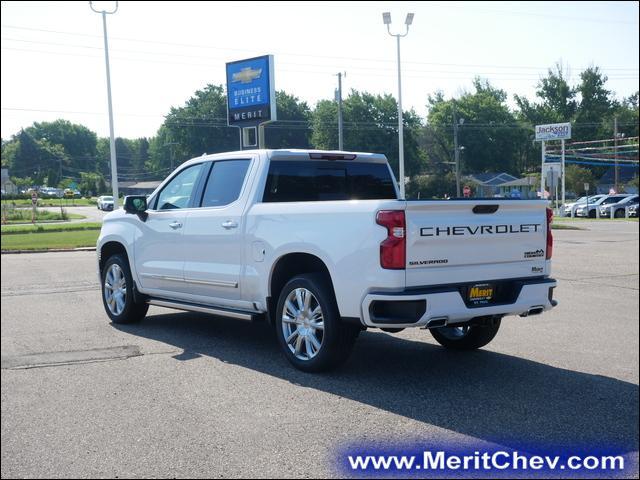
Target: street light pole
615	154
386	18
112	140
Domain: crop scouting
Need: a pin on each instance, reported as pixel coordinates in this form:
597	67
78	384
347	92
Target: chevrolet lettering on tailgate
480	230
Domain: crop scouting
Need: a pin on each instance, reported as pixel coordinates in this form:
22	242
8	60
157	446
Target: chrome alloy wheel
303	324
115	289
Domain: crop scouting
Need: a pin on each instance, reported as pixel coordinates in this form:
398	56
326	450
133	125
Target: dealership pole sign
553	131
550	132
251	96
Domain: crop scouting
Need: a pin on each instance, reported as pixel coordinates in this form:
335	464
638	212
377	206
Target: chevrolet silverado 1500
319	244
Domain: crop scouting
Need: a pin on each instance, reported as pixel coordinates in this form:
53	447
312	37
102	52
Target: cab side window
177	193
225	182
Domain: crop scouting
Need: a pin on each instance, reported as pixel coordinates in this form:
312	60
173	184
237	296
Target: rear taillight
549	234
393	248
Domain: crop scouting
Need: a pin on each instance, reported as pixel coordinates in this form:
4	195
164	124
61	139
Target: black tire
592	214
337	338
133	311
392	330
619	213
467	338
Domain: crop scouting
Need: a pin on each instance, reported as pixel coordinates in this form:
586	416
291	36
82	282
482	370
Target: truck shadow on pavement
491	396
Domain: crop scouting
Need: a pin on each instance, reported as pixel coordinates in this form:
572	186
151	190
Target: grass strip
51	227
47	240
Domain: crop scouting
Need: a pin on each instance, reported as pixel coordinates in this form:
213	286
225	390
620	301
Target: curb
50	250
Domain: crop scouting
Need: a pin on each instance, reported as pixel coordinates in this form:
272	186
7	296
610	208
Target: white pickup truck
318	244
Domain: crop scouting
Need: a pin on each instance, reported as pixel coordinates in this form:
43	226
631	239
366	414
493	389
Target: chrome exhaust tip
437	322
533	311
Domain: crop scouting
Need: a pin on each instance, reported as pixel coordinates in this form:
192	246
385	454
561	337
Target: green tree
371	125
9	149
160	151
92	182
27	158
78	141
141	154
293	128
124	154
487	130
23	182
432	186
576	177
200	126
596	105
627	115
558	99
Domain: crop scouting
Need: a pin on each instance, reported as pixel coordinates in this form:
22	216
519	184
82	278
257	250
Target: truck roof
299	154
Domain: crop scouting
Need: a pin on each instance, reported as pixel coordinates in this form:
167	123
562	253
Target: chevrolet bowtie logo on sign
246	75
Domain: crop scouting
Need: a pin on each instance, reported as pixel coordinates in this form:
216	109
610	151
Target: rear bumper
446	304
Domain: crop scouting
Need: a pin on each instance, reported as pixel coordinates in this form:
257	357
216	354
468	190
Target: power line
305	55
418	74
379	69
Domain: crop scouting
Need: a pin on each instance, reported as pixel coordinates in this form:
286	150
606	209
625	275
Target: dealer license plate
481	293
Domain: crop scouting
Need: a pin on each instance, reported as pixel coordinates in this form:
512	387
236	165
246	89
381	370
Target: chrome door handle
230	224
175	225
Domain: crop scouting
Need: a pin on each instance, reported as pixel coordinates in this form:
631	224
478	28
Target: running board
193	307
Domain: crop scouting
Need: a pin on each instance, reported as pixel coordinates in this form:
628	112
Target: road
91	214
183	394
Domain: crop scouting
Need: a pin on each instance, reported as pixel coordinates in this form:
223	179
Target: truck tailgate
474	240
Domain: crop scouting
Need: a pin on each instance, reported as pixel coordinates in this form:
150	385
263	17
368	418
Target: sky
52	61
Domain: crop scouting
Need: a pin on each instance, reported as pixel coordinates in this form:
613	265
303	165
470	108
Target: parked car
51	192
105	202
566	211
633	210
71	193
619	208
590	211
319	245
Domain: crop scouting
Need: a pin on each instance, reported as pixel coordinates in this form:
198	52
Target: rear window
312	181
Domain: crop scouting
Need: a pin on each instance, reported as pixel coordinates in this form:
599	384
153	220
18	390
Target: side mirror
135	204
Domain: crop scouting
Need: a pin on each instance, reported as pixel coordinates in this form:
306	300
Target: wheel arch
288	266
110	248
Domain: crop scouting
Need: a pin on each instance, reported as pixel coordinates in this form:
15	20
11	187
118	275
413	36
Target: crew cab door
159	256
212	240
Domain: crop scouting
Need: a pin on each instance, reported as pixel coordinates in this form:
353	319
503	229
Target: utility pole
339	100
171	151
112	140
615	153
456	150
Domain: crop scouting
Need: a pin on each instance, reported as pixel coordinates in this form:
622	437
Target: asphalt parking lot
184	394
